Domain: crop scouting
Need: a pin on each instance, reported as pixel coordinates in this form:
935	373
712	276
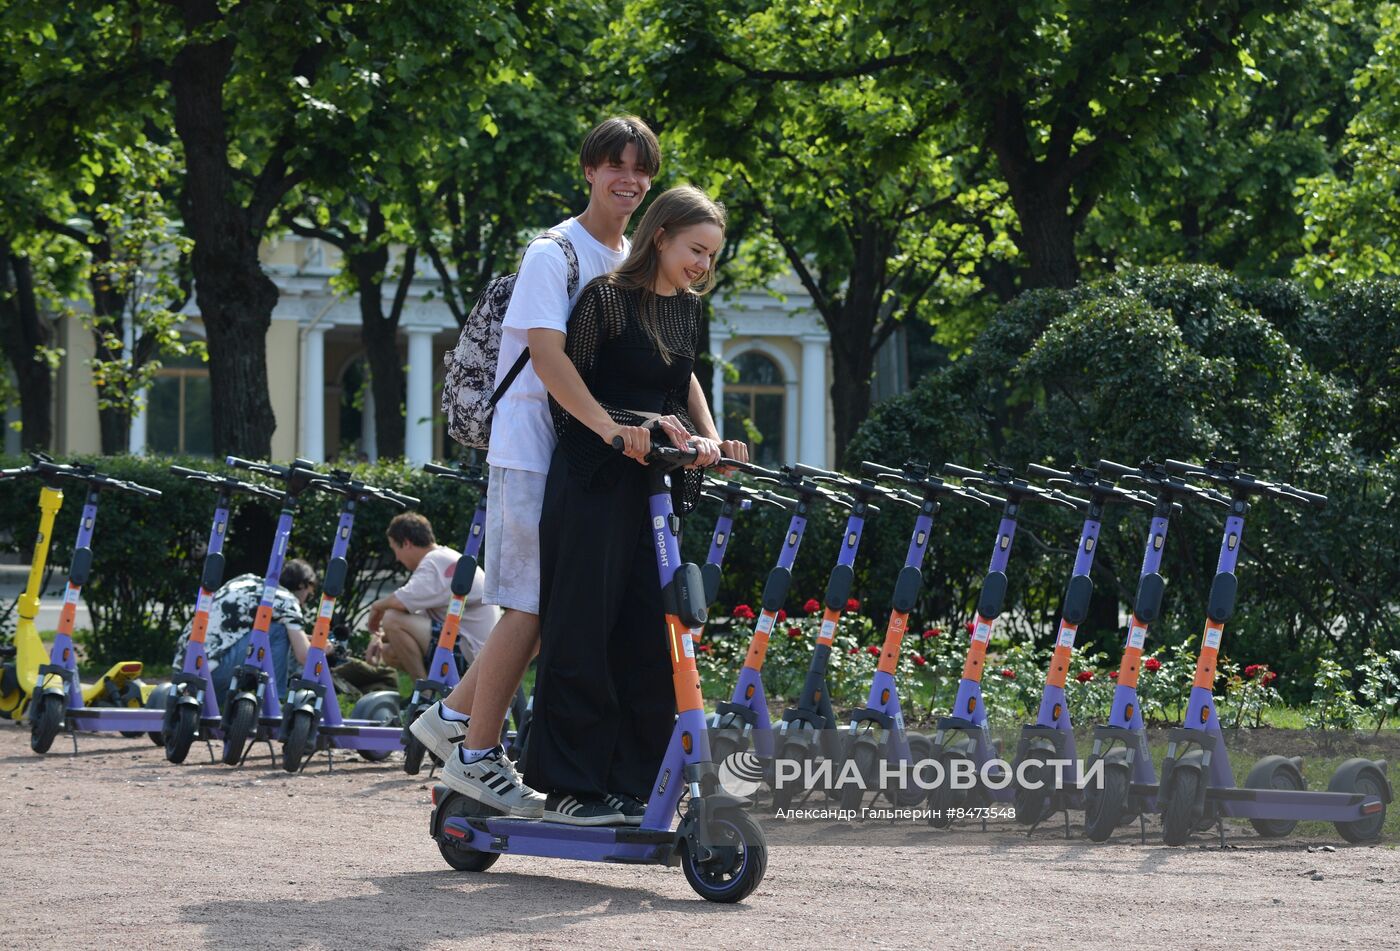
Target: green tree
1352	213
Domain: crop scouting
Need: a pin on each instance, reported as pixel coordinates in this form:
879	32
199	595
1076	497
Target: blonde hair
672	212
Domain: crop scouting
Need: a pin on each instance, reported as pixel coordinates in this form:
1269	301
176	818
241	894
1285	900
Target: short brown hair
606	140
410	528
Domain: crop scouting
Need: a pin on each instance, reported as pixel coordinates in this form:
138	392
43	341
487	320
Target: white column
369	434
418	426
136	438
313	395
718	338
814	400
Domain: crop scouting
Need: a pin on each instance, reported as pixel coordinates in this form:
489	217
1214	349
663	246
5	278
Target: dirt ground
116	848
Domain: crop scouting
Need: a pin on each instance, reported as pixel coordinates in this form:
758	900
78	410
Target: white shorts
513	502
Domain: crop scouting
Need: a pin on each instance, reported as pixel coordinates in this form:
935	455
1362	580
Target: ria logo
741	774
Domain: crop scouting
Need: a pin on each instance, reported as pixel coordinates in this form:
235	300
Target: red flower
1269	678
1152	663
970	626
920	660
1253	669
794	632
931	633
812	606
743	612
1113	674
852	604
1084	676
1008	673
703	648
780	617
854	650
873	651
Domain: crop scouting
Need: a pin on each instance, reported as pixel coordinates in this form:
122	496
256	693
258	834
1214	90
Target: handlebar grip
191	473
435	469
1045	472
953	469
1316	498
1177	467
618	444
802	468
874	468
238	463
401	498
1109	467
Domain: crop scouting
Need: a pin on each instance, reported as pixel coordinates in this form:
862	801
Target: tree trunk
235	297
114	422
25	328
379	333
1047	235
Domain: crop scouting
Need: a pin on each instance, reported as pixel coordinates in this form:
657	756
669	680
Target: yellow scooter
21	676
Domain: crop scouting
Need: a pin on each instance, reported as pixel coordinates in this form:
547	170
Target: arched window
754	408
178	415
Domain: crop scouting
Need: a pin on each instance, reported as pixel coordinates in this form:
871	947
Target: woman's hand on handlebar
707	452
636	441
735	449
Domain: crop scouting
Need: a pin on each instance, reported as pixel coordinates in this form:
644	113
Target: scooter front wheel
907	793
943	798
45	721
242	725
182	724
1034	800
736	860
294	749
1104	807
866	755
1179	819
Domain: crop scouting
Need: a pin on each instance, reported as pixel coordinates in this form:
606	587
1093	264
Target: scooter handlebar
1312	498
1108	467
813	472
966	473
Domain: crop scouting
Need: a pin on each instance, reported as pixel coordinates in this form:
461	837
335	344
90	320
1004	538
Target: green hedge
148	553
1183	362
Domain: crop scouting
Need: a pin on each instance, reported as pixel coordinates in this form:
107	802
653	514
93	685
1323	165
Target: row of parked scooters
720	847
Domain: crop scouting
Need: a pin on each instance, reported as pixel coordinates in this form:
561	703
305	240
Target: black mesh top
625	372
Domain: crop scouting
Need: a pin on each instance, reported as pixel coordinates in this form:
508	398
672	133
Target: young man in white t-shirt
619	158
405	624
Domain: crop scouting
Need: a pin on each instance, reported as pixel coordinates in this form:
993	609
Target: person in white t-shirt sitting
405	625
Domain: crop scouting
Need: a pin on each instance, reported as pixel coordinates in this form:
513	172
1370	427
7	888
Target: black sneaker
570	810
633	810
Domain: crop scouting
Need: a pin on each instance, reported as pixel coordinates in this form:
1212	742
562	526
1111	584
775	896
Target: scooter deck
106	719
1234	802
505	835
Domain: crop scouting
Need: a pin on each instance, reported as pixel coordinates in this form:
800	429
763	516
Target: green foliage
1333	706
1380	684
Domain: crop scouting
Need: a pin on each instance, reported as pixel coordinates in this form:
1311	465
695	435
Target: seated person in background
230	630
405	625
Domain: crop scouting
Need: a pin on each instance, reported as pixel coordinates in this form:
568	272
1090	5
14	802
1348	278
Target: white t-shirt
429	590
522	433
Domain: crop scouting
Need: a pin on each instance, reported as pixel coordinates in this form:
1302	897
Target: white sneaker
493	781
437	733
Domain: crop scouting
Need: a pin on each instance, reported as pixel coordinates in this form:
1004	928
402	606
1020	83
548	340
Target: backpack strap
570	258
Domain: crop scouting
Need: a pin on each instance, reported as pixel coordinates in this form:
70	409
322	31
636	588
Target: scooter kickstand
1142	829
74	737
1220	825
208	745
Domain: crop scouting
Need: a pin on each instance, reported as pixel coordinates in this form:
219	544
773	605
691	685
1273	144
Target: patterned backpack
469	393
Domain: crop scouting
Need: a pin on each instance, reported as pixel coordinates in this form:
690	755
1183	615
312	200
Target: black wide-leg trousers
604	701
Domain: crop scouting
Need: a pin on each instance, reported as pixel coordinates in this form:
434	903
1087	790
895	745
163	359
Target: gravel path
116	848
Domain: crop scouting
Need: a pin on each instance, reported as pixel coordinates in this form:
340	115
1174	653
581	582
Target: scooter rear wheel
785	793
381	706
1104	807
737	863
1179	819
910	794
182	725
1368	781
1274	772
45	721
294	749
241	727
461	857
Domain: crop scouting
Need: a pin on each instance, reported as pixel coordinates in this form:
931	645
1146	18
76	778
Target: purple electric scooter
311	717
252	709
877	731
1041	791
718	845
192	711
58	703
1121	743
744	719
963	738
1198	783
